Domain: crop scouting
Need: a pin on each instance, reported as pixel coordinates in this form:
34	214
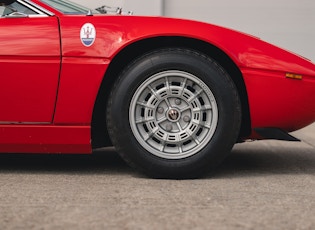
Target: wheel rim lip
139	136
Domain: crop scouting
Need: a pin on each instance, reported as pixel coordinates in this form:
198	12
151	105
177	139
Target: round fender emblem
88	34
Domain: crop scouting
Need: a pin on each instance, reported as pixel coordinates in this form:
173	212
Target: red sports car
173	96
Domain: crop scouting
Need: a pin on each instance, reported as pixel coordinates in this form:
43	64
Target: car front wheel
174	113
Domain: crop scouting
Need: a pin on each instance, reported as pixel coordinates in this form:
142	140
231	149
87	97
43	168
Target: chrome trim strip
40	10
38	16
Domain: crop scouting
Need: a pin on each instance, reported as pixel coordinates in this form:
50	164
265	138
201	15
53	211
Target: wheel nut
186	118
168	127
178	101
160	110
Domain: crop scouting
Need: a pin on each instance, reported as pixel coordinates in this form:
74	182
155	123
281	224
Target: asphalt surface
262	185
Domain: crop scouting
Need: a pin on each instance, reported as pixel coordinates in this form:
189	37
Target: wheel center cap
173	115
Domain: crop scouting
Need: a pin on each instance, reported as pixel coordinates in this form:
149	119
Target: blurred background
289	24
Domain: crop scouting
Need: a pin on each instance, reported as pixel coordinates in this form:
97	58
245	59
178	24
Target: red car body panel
27	52
70	74
80	80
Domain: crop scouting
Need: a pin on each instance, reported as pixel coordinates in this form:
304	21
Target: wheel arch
99	131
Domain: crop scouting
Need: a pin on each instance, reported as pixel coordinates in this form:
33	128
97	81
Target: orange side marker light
294	76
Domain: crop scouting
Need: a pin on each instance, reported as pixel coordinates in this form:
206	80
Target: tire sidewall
209	73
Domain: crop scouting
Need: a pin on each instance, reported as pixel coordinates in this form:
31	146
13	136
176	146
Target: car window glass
21	8
2	8
68	7
15	7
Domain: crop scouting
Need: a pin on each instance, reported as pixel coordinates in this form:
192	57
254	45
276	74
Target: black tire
148	145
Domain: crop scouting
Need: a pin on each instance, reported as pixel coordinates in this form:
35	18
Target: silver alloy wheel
173	114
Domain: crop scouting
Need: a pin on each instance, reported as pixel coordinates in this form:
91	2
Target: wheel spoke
167	86
205	125
203	108
149	135
162	147
145	105
196	140
195	95
179	127
168	102
157	96
161	120
183	87
184	109
180	149
143	120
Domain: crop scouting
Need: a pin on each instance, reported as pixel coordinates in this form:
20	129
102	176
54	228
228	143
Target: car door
29	65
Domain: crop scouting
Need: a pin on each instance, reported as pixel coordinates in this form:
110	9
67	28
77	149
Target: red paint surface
56	83
30	64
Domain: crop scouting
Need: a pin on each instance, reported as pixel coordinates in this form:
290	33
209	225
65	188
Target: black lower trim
275	134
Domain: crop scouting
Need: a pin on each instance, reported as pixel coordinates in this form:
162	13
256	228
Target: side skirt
45	139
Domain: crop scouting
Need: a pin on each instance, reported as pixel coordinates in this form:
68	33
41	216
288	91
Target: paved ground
262	185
